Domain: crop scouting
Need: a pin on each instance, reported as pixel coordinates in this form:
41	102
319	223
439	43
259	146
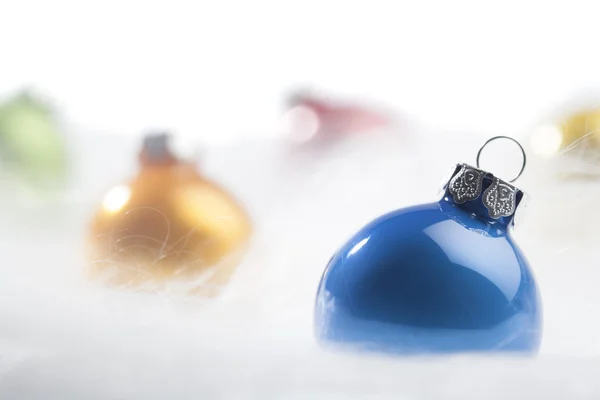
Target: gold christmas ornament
581	130
571	141
168	227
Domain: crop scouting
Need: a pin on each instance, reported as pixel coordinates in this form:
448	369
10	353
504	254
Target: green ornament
32	146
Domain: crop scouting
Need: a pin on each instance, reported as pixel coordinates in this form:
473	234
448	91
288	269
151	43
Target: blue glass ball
434	278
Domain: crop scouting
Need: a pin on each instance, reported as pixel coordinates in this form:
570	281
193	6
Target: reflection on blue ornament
436	278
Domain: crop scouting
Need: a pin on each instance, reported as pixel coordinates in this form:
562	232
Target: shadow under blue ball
433	278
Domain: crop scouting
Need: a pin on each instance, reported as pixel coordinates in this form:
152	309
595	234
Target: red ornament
312	117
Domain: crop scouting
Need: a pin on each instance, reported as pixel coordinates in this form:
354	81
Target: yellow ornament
579	130
583	125
168	227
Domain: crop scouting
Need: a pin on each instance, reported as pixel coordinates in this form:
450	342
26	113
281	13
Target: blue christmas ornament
442	277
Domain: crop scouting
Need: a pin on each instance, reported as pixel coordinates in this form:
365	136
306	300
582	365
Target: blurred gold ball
582	128
582	125
168	226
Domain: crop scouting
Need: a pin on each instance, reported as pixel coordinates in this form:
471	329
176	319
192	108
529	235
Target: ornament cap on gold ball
168	227
156	150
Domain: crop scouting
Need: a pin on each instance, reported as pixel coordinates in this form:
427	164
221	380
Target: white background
216	73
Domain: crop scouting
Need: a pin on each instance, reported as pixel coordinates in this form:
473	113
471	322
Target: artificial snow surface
64	338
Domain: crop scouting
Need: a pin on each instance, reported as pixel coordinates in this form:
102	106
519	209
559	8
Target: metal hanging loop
511	139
